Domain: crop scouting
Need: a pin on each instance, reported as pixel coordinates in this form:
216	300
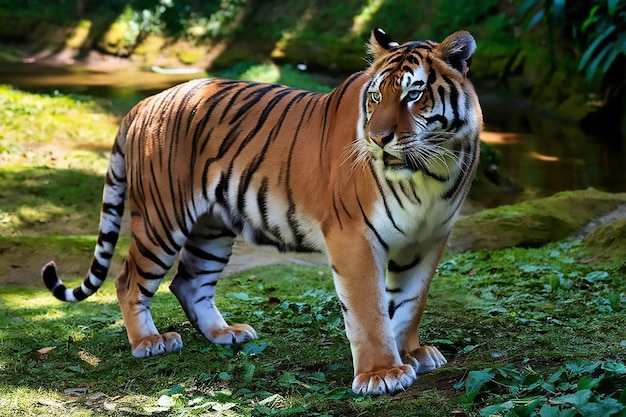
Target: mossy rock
533	223
608	241
118	40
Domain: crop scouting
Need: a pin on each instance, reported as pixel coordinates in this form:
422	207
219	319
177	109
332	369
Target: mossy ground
523	329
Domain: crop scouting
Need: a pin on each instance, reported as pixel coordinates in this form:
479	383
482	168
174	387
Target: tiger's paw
425	359
387	381
232	335
158	344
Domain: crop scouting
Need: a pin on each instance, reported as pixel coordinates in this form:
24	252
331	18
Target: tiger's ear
457	50
380	43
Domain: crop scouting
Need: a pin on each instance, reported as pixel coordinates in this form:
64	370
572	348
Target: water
541	155
546	156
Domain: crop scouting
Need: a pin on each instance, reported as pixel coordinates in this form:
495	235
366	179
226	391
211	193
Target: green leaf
607	407
555	376
318	376
240	296
527	5
76	368
612	5
535	19
549	411
614	367
596	276
474	382
249	372
497	408
468	349
589	74
251	348
176	389
288	378
591	18
587	382
531	382
591	49
558	6
582	367
578	399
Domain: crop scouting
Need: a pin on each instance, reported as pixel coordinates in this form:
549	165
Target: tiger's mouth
392	161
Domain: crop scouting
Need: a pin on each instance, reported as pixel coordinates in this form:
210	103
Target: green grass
512	319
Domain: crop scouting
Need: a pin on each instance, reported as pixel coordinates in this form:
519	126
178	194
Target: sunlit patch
500	138
545	158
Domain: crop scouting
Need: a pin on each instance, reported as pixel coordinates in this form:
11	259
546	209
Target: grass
514	319
527	332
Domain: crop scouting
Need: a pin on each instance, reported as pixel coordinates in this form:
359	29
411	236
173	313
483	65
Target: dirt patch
21	259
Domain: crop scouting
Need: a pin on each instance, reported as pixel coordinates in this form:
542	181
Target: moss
116	41
150	48
533	223
77	36
608	241
190	55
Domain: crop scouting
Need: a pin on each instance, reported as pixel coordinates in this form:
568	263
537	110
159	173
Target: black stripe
147	275
199	253
59	292
397	268
251	100
109	237
433	175
144	291
395	193
454	103
437	118
461	181
98	270
147	253
161	210
115	209
384	198
393	307
203	298
78	294
371	227
261	201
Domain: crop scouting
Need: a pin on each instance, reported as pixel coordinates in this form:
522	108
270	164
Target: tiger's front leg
359	281
409	274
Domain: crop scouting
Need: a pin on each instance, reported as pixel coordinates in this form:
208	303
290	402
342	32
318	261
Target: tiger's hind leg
200	263
143	270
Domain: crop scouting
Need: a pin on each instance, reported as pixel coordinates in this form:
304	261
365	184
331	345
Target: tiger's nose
382	139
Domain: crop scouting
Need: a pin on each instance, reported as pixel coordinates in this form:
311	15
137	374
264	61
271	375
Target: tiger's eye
414	95
375	96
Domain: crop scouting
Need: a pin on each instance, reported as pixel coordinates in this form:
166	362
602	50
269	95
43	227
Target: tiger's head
419	109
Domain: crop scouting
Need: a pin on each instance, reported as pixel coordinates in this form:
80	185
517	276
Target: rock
608	241
534	223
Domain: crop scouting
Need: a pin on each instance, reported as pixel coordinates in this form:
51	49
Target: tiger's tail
109	229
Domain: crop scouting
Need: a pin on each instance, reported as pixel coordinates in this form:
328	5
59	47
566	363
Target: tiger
372	174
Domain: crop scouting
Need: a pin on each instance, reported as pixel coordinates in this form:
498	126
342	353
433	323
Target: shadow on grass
34	200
